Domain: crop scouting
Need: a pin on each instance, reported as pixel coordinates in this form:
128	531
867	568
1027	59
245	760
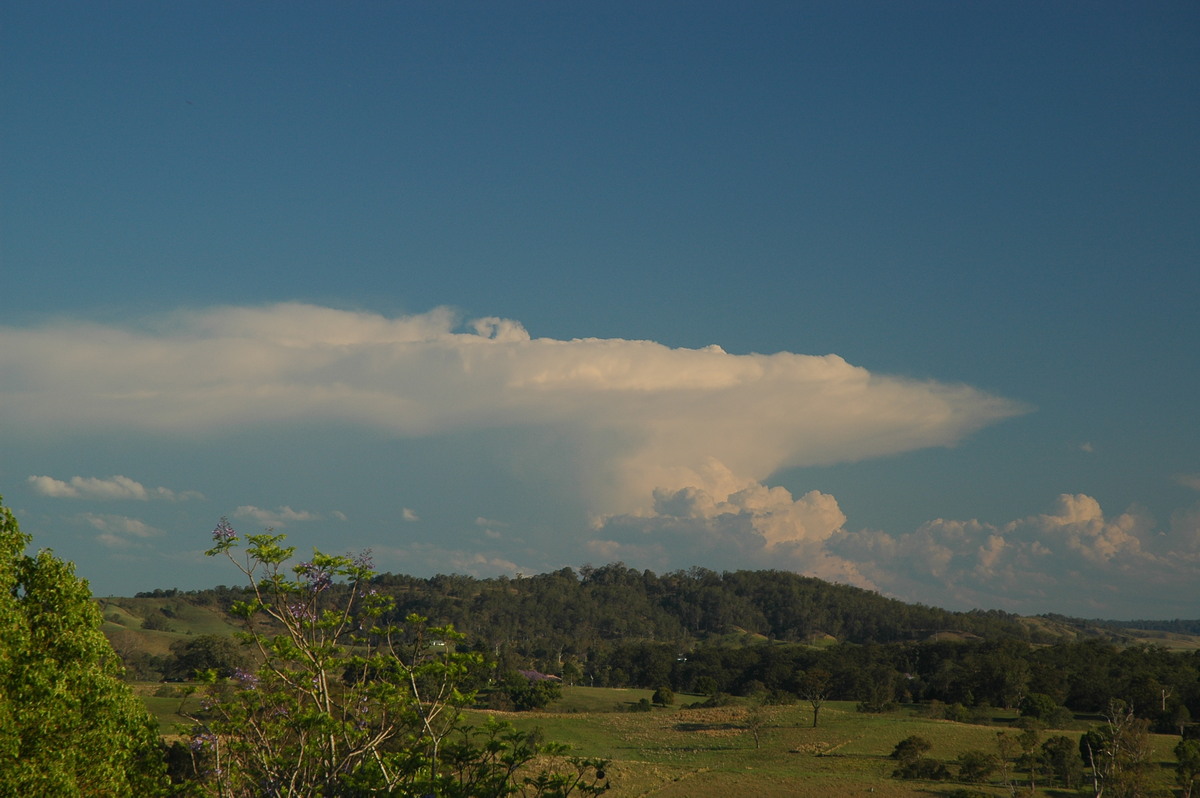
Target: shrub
976	766
663	696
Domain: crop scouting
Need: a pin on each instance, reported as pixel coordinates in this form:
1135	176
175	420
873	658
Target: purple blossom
365	561
224	533
318	578
301	612
202	741
245	679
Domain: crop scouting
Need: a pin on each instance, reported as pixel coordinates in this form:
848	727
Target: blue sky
901	295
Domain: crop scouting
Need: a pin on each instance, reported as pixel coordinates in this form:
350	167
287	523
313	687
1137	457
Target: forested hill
573	611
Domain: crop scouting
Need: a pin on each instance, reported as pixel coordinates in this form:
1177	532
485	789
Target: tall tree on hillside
815	688
1187	771
1118	753
69	724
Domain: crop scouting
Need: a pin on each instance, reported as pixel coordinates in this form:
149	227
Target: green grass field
676	752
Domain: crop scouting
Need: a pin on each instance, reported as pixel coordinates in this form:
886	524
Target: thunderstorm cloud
644	421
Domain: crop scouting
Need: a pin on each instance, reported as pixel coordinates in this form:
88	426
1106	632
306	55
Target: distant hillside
1174	634
574	611
739	633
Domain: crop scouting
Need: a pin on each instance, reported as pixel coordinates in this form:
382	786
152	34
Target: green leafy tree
206	653
815	687
1007	747
910	752
1187	771
526	693
69	724
1061	755
663	697
1044	708
346	703
1118	753
911	748
976	766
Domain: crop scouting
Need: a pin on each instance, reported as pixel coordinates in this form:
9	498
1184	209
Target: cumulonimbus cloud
641	417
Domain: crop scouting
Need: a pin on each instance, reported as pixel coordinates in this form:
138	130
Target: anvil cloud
646	417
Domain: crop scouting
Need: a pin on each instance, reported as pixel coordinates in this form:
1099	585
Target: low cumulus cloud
114	487
278	518
1075	557
1189	480
439	559
639	419
732	520
119	531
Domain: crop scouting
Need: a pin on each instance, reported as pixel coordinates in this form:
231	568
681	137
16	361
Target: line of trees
763	632
1112	759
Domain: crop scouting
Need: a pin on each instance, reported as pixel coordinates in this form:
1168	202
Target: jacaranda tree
344	702
69	724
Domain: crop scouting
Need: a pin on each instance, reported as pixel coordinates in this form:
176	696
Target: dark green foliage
156	622
526	693
976	766
1187	771
69	725
1045	709
549	616
747	633
663	696
196	655
1061	757
923	768
911	748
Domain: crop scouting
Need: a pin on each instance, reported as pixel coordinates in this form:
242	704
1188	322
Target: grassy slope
675	752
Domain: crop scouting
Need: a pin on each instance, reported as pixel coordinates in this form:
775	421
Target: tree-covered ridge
573	609
767	632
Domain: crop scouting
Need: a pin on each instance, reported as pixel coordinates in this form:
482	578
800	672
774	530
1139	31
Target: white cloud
119	531
1074	559
437	559
409	515
1189	480
274	519
114	487
733	521
634	417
